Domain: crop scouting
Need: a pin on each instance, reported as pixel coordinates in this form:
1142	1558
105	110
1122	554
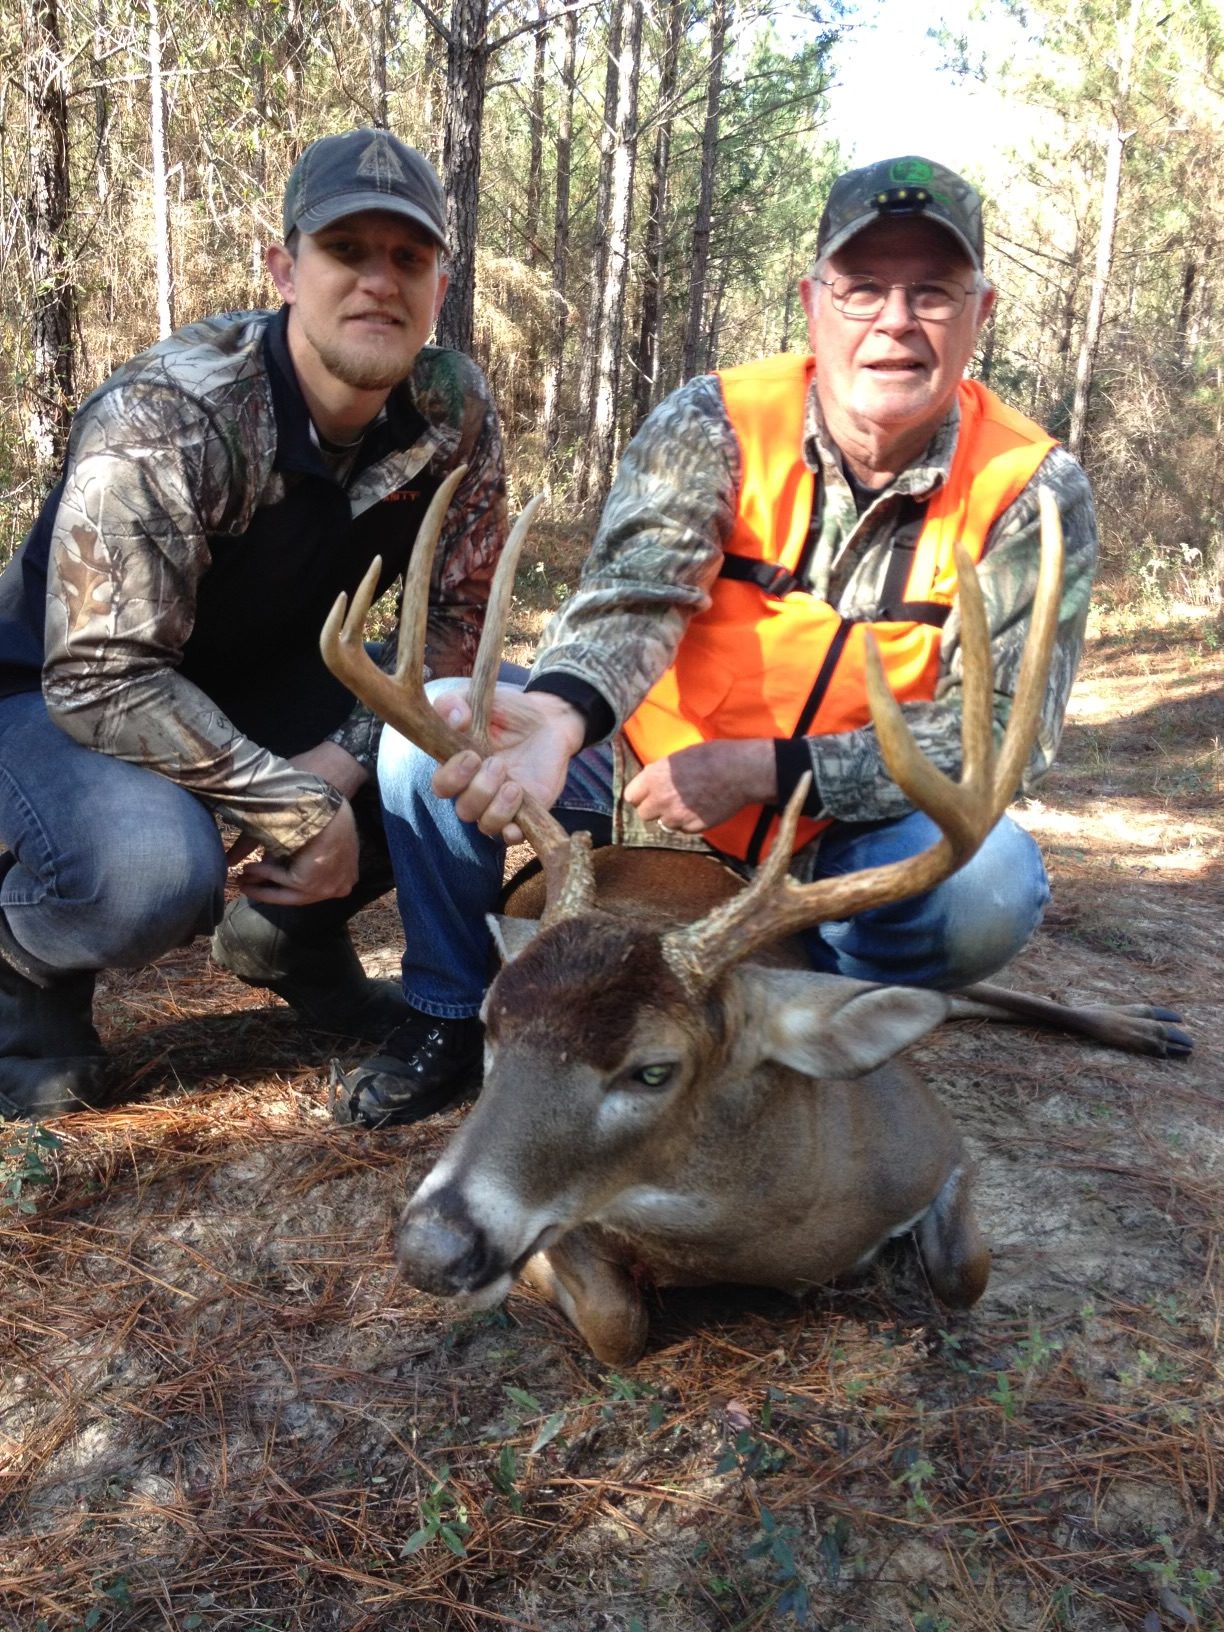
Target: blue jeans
114	865
448	876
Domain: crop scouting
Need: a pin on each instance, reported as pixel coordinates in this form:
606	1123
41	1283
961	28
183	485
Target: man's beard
363	371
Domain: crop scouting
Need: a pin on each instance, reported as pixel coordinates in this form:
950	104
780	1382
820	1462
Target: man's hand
322	870
534	734
327	866
704	785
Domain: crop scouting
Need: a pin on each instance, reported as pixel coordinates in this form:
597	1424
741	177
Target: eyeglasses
862	298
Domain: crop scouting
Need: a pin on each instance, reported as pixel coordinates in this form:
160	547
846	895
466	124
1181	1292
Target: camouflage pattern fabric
660	543
179	447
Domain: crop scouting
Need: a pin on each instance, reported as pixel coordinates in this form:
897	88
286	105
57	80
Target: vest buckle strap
935	613
771	577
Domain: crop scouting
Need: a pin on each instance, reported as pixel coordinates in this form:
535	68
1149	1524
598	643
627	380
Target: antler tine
569	877
488	656
400	700
1025	715
774	905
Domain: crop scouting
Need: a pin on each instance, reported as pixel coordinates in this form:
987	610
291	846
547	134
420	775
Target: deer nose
444	1255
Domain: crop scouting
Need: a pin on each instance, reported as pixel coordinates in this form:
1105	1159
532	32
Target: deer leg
957	1259
597	1296
1138	1028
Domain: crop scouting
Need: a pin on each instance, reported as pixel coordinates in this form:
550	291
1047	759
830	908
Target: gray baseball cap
364	170
907	186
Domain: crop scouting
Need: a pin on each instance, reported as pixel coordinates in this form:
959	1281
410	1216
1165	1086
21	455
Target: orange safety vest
767	659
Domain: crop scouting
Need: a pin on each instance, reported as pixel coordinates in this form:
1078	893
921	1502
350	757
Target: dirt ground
219	1408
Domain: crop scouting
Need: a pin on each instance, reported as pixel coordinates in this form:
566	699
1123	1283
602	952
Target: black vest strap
769	576
900	563
933	612
815	697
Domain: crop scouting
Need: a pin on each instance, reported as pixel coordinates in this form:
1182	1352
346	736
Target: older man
159	662
759	518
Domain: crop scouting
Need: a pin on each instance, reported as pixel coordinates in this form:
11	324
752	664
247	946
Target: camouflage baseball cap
363	170
909	186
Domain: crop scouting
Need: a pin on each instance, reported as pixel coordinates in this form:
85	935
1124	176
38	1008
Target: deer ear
830	1026
511	935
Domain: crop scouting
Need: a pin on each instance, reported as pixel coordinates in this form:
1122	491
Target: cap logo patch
910	172
380	163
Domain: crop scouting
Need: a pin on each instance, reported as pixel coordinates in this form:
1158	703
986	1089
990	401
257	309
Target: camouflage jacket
198	541
660	544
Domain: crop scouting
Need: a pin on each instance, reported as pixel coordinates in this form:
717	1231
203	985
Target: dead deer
658	1101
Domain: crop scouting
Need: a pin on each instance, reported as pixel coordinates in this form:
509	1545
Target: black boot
51	1058
425	1065
312	966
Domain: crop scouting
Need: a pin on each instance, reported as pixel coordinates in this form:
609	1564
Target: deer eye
654	1076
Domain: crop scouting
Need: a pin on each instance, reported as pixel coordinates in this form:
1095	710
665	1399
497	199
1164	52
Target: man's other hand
534	735
327	866
323	870
701	786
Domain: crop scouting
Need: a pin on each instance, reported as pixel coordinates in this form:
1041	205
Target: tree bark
624	166
101	101
648	361
54	297
161	212
561	230
693	360
535	174
466	60
380	29
293	61
1181	340
1111	189
593	338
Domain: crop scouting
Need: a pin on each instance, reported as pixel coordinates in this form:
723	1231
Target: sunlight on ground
1160	681
1139	839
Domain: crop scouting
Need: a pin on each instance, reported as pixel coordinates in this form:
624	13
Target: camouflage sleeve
470	545
853	782
150	475
657	550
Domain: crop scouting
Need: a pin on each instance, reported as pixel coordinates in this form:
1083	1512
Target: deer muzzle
445	1253
443	1249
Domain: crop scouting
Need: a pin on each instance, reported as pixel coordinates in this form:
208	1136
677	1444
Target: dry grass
221	1410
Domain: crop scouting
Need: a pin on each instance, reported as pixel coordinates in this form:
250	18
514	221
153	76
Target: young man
159	627
758	515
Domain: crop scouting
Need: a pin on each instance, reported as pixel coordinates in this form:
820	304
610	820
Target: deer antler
774	905
400	700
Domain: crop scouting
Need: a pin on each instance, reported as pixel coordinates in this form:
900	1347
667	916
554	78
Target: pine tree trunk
1111	189
109	249
648	362
535	174
54	298
561	230
624	166
161	211
693	360
466	59
1181	340
258	56
593	337
293	61
101	99
379	35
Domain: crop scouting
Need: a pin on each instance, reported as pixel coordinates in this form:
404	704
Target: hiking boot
51	1058
318	974
426	1065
